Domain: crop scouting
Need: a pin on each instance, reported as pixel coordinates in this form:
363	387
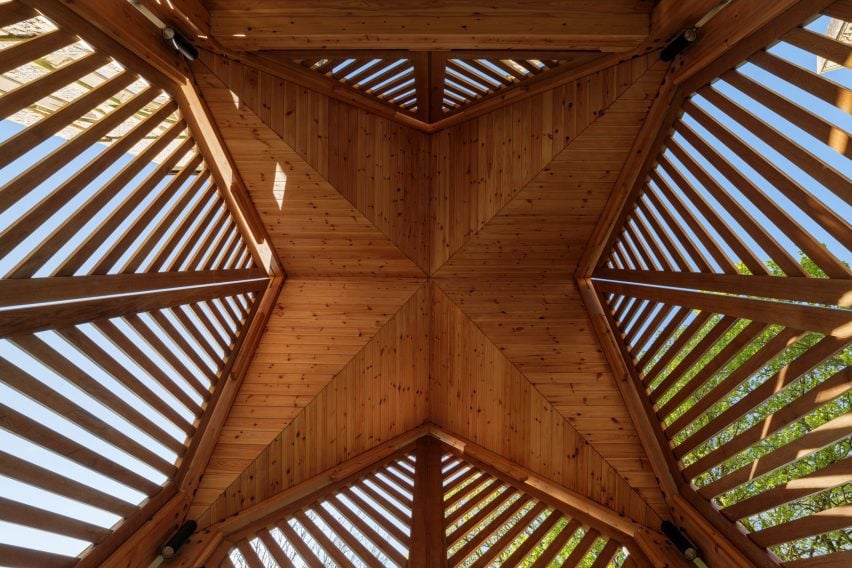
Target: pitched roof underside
438	286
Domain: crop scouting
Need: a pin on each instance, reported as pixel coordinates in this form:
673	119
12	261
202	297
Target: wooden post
437	69
422	74
427	532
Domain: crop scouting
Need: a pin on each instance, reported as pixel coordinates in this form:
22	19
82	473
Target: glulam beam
831	292
614	25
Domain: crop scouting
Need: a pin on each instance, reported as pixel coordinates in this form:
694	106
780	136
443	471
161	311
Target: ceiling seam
515	367
309	165
544	167
326	386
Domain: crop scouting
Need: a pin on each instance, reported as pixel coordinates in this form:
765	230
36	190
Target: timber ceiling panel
316	328
629	88
128	286
474	179
380	394
378	166
316	231
477	393
727	283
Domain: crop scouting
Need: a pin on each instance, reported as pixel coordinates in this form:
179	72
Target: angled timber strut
526	283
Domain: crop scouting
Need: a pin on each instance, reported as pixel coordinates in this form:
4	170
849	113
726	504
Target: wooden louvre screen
446	82
364	523
126	288
728	285
391	79
469	79
369	521
489	522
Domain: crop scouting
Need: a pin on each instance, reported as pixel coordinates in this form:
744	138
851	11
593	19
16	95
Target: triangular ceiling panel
381	393
476	181
342	187
477	393
727	283
318	326
315	230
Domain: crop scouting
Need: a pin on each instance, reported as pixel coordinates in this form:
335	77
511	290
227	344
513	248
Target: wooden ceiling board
477	393
314	229
316	328
379	394
474	179
378	165
542	230
542	328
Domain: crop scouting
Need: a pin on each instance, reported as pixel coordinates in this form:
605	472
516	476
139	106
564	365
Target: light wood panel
379	394
316	328
449	24
482	164
513	278
477	393
544	330
378	165
314	229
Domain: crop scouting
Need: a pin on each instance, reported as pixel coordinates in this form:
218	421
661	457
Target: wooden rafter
505	25
84	303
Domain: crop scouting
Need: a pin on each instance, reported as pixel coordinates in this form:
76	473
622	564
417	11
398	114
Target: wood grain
379	394
377	165
478	394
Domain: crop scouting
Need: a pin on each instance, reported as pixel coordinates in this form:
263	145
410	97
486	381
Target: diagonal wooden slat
28	319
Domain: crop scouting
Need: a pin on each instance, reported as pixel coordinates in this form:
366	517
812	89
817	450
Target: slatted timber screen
467	80
489	522
729	287
365	523
368	521
391	80
126	286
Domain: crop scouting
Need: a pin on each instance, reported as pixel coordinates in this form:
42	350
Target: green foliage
762	414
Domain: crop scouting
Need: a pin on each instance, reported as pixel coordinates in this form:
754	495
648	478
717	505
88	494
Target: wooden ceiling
420	64
439	232
337	259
